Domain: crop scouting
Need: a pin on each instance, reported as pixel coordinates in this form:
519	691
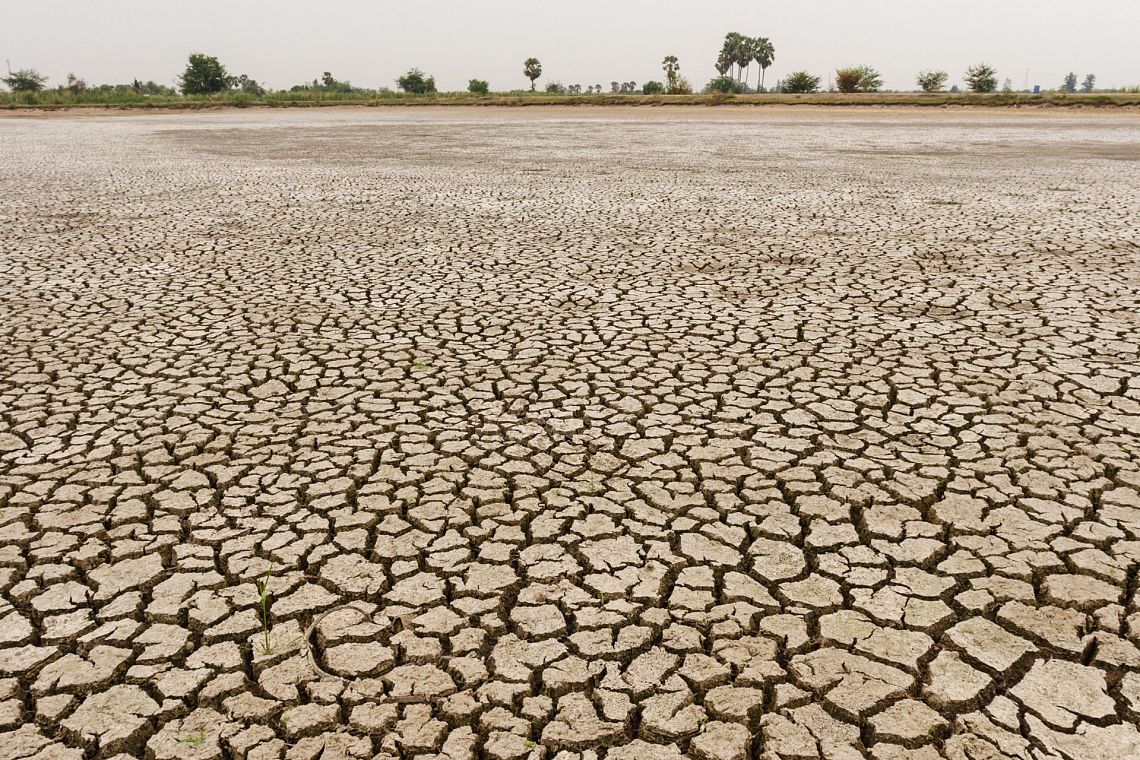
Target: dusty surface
570	434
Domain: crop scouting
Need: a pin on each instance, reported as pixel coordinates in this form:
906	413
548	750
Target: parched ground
576	434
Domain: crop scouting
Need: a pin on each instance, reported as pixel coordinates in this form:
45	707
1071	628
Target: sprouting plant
263	592
530	743
197	738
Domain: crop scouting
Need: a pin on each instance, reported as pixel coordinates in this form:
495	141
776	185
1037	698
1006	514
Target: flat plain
631	434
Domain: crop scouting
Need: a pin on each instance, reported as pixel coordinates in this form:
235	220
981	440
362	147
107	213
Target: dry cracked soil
575	434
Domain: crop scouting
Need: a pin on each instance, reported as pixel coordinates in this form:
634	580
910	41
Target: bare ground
570	433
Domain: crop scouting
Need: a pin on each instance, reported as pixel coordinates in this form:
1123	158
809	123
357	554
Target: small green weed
195	739
263	592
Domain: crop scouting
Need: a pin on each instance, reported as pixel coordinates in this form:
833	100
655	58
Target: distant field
56	100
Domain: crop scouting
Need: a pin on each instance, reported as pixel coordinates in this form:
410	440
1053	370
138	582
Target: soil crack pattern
572	434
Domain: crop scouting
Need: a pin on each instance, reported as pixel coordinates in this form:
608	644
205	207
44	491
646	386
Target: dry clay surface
574	434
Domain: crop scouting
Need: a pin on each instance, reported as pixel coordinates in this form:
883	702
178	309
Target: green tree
653	87
1089	84
416	82
764	53
870	80
932	81
743	51
478	87
672	69
205	75
800	81
532	70
24	80
250	86
736	51
981	78
1071	82
556	88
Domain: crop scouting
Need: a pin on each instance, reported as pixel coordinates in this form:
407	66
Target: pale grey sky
283	42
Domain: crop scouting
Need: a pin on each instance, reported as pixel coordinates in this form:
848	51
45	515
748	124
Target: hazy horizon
288	42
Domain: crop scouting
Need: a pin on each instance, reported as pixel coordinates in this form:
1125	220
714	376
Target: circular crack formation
674	441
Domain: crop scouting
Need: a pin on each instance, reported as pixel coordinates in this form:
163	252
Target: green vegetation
205	82
532	70
932	81
126	97
326	84
192	739
725	84
858	79
675	84
205	75
737	55
416	82
24	80
800	81
123	97
981	78
75	84
764	53
263	594
249	86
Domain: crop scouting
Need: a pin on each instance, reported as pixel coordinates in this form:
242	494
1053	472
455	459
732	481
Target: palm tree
671	68
532	69
744	56
723	64
764	53
729	53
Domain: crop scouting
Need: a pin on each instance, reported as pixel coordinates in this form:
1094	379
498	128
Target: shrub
556	88
75	84
858	79
653	88
416	82
932	81
724	84
24	80
478	87
205	75
800	81
329	83
681	87
249	86
981	78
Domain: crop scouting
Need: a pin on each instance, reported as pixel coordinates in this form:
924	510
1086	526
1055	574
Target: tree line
206	75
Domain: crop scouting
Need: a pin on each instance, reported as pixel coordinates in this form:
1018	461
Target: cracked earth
571	434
